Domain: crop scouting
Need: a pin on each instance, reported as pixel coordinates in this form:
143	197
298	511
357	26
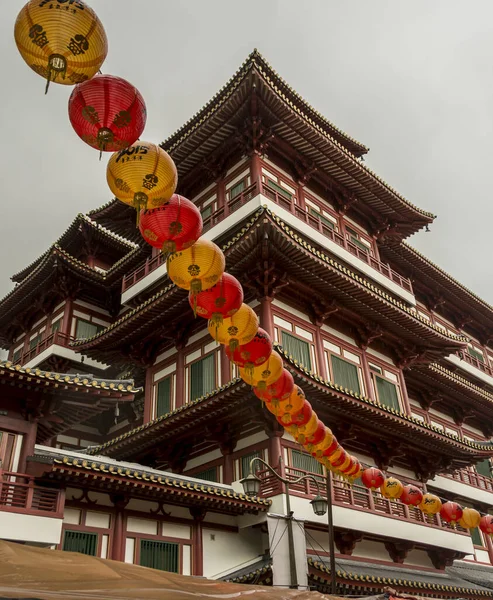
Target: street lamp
251	485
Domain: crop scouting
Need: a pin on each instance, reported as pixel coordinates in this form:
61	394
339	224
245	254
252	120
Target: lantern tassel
249	367
48	81
233	344
217	319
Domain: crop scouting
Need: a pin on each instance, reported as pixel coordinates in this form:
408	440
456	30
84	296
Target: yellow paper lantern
317	450
470	518
265	374
196	268
142	175
63	41
392	488
430	504
292	405
237	330
306	430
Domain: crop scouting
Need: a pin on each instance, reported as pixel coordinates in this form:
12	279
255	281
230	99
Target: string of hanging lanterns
64	42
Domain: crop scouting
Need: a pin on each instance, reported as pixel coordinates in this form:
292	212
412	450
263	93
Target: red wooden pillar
180	379
228	468
225	375
148	393
300	192
256	171
276	452
489	545
198	515
266	318
118	541
405	398
67	317
221	198
370	393
319	352
27	449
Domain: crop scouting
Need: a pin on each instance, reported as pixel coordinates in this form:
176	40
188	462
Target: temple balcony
310	225
467	484
29	512
357	508
472	366
56	344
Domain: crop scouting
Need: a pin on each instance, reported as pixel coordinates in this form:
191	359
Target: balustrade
475	362
19	494
472	478
57	337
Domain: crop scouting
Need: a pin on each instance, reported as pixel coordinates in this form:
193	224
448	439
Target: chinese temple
125	431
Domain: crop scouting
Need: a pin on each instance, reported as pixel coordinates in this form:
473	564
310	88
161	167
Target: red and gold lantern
306	430
391	488
451	512
264	375
411	495
291	405
470	518
62	41
237	330
298	417
252	354
318	435
279	390
372	478
486	524
196	268
317	449
339	458
220	301
430	504
172	227
142	175
107	112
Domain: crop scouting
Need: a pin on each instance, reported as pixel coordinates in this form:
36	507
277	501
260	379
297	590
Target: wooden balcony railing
19	494
350	496
57	337
316	223
290	205
474	479
475	362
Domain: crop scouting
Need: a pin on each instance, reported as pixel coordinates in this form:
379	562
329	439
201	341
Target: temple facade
125	431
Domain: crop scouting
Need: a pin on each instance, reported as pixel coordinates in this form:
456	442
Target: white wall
30	528
226	551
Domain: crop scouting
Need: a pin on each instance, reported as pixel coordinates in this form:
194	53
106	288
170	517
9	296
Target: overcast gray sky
413	80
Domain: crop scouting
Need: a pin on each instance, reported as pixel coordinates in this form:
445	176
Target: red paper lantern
172	227
298	418
328	452
279	390
107	112
411	495
220	301
486	524
451	512
253	354
318	435
340	459
372	478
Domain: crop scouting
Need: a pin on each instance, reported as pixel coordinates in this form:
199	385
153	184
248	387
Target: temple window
475	353
163	397
202	377
10	446
305	462
275	186
160	555
386	386
324	220
344	367
297	348
354	237
297	341
85	329
56	326
17	354
35	341
236	189
80	541
245	460
484	468
209	474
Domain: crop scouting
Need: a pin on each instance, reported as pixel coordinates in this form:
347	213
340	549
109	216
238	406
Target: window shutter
305	462
56	326
298	349
483	468
245	463
207	474
345	374
236	189
476	537
163	405
387	393
159	555
35	341
475	353
86	330
16	355
202	377
80	541
280	190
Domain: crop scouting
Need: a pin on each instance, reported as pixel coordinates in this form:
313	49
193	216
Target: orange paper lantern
470	518
391	488
196	268
63	41
142	175
430	504
264	375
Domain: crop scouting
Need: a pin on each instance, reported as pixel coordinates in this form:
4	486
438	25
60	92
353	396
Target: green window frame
164	556
355	239
236	189
16	355
297	348
80	541
477	538
345	374
305	462
483	468
209	474
56	325
319	215
245	462
85	329
163	397
386	392
35	341
206	212
475	354
202	377
280	190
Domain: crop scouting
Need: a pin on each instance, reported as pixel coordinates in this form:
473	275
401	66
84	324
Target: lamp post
251	485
